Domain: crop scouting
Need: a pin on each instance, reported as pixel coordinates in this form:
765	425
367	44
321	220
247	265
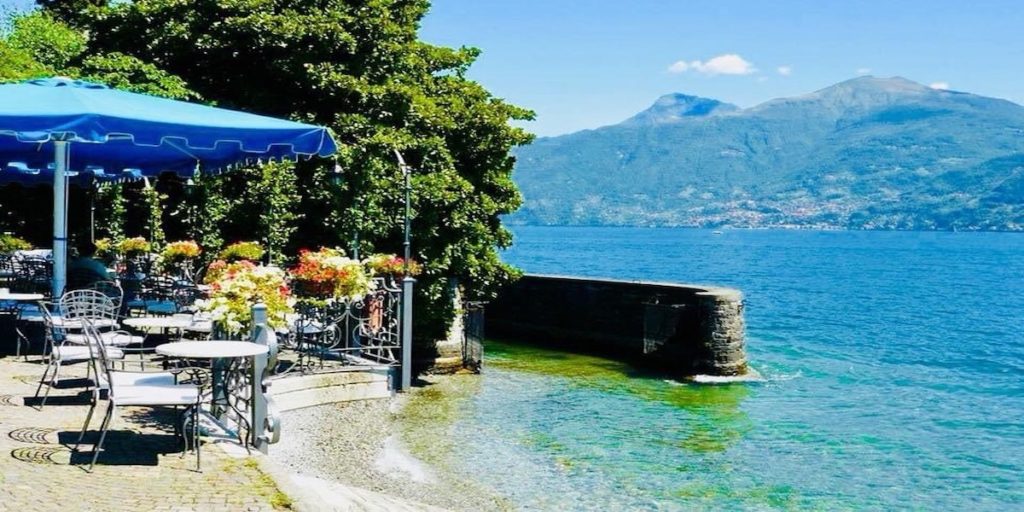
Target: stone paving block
141	467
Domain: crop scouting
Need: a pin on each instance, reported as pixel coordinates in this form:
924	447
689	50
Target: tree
36	44
358	67
110	212
154	222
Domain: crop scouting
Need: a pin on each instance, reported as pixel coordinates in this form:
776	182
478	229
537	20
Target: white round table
65	323
21	297
213	349
233	355
159	322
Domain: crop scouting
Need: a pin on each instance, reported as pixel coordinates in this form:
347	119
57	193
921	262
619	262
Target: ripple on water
893	364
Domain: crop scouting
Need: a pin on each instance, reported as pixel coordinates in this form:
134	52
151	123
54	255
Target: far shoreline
513	227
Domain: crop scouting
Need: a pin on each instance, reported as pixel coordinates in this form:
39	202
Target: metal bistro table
7	296
163	323
232	366
146	324
11	304
33	315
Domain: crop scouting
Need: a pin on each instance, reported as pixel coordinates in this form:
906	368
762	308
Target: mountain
871	153
672	108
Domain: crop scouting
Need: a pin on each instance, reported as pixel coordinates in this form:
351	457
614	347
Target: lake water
894	366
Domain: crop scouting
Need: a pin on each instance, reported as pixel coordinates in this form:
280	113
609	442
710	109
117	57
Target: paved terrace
141	468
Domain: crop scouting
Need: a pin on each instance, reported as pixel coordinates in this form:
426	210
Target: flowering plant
236	287
176	252
105	248
239	251
11	243
328	272
178	256
133	246
392	265
218	268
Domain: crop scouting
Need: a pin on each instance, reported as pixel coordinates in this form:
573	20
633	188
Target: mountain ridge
869	152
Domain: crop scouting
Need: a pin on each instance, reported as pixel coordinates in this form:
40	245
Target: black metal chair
32	275
7	270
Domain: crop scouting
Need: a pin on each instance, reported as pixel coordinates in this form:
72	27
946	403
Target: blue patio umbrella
58	130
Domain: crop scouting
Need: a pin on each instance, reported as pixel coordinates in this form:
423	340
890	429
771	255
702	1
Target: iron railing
365	331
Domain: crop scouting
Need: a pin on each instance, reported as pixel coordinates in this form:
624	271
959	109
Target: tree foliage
358	67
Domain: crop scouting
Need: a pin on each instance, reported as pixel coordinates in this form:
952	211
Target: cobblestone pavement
140	469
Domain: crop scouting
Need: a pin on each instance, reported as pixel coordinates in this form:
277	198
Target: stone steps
300	391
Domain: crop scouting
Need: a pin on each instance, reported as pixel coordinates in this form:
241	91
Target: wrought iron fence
361	331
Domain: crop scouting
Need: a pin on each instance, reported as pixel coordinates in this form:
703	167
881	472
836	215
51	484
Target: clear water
894	367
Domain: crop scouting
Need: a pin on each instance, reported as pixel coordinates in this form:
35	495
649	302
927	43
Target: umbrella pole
92	214
60	217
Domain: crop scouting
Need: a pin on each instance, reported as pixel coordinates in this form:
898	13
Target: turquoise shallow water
894	365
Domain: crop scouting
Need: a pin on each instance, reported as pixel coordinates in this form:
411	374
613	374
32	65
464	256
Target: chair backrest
99	358
53	335
87	305
156	288
32	275
185	295
111	289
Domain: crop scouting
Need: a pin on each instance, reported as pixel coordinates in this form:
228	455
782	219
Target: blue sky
587	63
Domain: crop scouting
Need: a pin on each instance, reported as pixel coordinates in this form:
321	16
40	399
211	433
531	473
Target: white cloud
785	70
726	64
762	79
942	86
863	71
678	67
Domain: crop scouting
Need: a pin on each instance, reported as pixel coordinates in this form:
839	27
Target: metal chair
32	275
155	296
23	316
111	289
60	352
137	389
99	309
7	270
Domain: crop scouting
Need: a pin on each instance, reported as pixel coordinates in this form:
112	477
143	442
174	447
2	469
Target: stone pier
684	329
721	338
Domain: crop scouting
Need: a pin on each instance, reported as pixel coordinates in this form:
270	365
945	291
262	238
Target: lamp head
336	174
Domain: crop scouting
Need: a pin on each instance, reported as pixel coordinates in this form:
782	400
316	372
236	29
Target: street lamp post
407	281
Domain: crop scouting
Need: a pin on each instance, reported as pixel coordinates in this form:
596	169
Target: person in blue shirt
85	269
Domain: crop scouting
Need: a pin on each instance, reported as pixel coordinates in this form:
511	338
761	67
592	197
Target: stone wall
684	329
448	355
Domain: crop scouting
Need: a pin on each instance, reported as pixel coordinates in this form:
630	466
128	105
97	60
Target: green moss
720	420
263	485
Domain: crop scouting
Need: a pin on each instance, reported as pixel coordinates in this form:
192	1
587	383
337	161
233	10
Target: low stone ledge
297	392
685	329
